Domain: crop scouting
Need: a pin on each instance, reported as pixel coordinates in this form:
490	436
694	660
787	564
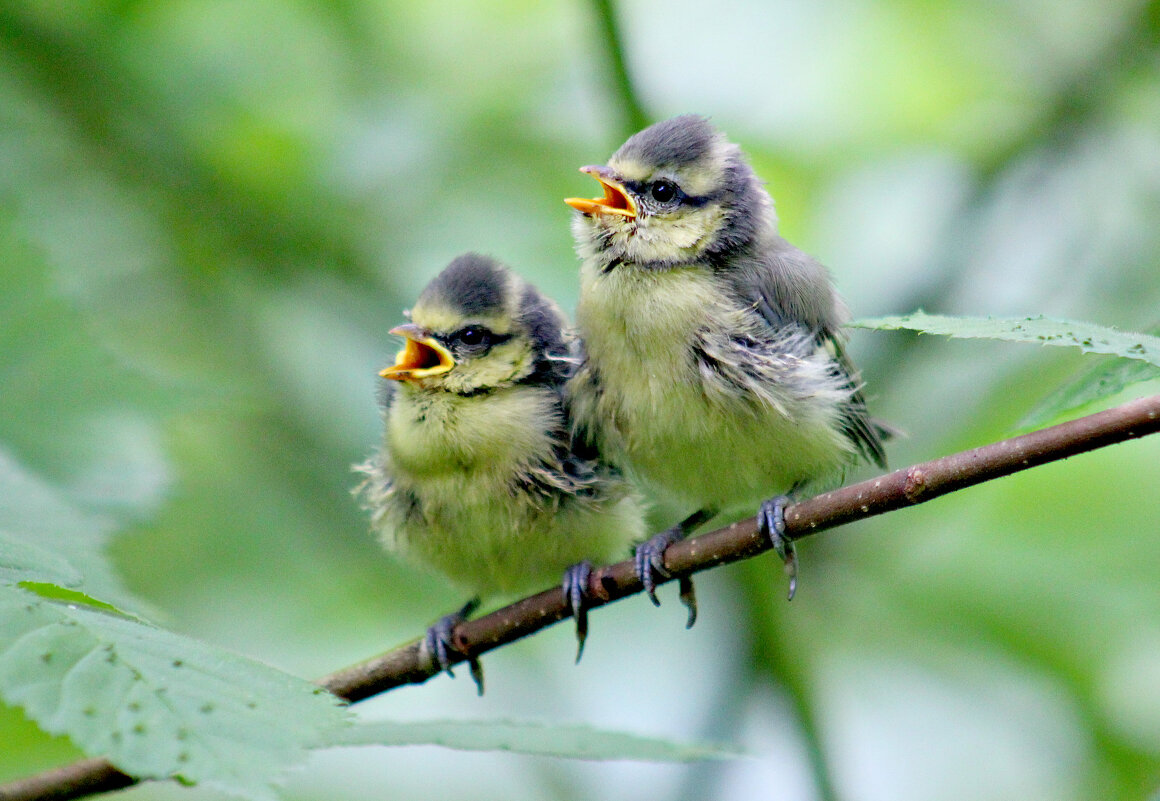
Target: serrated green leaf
523	737
156	704
1088	337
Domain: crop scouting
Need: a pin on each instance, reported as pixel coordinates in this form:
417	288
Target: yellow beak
615	201
421	356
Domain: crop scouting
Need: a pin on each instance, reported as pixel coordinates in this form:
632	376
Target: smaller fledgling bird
478	476
715	366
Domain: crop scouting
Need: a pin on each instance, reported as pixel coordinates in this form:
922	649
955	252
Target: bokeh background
212	212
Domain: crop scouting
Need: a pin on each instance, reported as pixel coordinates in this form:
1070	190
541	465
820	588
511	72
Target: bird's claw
688	597
439	642
771	517
650	560
650	563
475	668
575	588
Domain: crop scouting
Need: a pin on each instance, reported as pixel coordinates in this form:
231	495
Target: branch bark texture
742	540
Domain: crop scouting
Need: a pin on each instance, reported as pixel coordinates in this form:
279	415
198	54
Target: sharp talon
656	560
789	556
438	643
476	669
644	571
772	517
688	598
435	644
650	561
576	597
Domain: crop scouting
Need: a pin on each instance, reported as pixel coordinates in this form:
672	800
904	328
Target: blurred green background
212	212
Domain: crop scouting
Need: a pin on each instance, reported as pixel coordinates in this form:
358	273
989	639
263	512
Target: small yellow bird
715	368
478	475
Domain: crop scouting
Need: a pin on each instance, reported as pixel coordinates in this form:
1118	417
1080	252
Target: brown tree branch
741	540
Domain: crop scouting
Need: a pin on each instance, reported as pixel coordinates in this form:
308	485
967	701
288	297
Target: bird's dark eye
472	336
663	191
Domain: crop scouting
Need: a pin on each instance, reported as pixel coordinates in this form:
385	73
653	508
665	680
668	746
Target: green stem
634	117
776	659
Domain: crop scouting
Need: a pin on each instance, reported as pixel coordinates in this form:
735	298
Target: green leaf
21	561
1088	337
45	537
1109	377
156	704
522	737
70	408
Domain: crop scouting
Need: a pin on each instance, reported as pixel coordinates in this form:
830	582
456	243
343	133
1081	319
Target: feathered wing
864	431
579	456
574	469
565	475
816	309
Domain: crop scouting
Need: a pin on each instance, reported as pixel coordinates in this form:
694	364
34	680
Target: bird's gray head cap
673	143
472	285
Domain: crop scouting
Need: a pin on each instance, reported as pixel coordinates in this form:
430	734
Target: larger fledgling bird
478	476
715	366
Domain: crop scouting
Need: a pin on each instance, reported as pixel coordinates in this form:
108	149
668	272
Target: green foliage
1106	378
70	408
522	737
155	703
1088	337
46	538
1139	353
158	705
211	214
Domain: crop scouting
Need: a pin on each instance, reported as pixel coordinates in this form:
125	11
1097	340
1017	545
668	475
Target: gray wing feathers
789	288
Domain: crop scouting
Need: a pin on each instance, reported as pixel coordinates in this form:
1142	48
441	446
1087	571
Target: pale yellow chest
661	409
459	500
442	434
643	323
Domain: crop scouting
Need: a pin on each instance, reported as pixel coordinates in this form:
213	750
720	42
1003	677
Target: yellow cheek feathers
421	356
615	201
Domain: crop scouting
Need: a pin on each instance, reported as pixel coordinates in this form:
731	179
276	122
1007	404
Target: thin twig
80	779
741	540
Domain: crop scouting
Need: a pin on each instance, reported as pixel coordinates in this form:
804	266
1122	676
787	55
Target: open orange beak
615	200
421	356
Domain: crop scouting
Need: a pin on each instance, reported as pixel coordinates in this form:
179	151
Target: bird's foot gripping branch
908	486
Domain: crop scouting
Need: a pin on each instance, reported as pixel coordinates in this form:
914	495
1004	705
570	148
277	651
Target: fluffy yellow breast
642	320
657	402
432	433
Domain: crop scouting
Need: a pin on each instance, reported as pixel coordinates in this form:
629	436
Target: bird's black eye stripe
667	193
636	187
699	200
474	338
662	190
